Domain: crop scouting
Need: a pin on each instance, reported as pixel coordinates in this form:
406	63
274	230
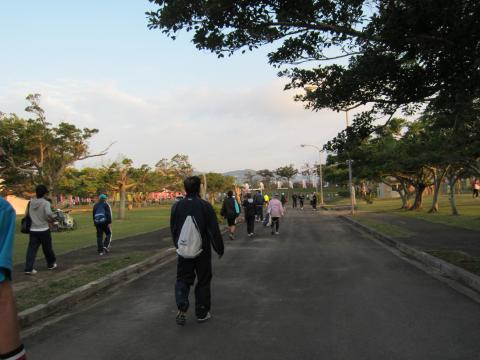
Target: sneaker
32	272
277	233
207	316
106	250
181	319
273	233
101	253
230	235
53	267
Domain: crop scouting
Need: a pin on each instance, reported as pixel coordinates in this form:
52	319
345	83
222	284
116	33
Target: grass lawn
459	258
138	221
41	294
383	228
468	208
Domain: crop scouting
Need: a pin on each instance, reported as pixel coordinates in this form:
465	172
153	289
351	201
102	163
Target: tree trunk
419	190
121	210
452	182
438	178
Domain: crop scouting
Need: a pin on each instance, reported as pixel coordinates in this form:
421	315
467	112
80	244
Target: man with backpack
102	219
250	210
195	231
230	211
39	210
259	201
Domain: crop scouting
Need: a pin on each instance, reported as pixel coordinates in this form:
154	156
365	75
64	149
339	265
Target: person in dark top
314	201
250	211
102	219
259	201
294	201
301	199
200	266
230	211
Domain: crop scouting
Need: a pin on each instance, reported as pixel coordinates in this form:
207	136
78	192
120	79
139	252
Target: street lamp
350	182
309	88
320	169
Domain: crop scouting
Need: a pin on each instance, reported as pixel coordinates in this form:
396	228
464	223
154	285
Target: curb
66	301
445	268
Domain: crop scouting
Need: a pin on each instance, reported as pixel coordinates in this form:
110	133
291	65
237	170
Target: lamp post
350	181
320	169
310	88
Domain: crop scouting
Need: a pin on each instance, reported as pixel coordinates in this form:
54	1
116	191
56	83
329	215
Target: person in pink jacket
275	209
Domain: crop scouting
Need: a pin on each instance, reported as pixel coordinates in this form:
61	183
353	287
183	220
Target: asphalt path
319	290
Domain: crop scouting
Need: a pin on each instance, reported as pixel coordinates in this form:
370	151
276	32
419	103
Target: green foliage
286	172
219	183
398	55
37	152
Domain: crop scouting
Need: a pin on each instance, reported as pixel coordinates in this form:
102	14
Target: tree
266	175
286	172
401	54
218	183
174	170
37	152
120	174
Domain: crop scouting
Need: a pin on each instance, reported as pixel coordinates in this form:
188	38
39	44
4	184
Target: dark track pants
259	212
101	243
275	223
250	224
187	270
37	238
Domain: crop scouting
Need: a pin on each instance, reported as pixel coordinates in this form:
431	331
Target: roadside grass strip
468	208
138	221
458	258
46	291
384	228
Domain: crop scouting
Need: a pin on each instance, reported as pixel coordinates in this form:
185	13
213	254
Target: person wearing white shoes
40	212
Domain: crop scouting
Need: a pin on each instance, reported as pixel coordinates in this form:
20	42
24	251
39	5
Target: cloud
220	128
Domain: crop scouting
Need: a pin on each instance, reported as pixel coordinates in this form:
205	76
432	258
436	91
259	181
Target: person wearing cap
276	211
102	219
40	212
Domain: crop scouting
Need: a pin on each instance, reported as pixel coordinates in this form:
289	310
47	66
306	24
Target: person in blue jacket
10	344
102	219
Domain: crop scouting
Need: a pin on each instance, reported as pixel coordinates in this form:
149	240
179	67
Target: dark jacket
249	208
228	208
205	218
107	209
258	199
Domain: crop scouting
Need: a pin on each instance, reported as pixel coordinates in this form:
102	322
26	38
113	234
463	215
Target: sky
97	65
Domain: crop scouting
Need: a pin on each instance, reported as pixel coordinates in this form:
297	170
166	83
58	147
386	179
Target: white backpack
190	240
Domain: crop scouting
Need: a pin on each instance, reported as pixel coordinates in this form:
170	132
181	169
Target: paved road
319	290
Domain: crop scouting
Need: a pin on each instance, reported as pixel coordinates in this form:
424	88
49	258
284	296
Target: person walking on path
294	201
40	212
259	200
301	199
475	187
102	219
10	344
276	211
314	201
230	211
206	224
250	211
